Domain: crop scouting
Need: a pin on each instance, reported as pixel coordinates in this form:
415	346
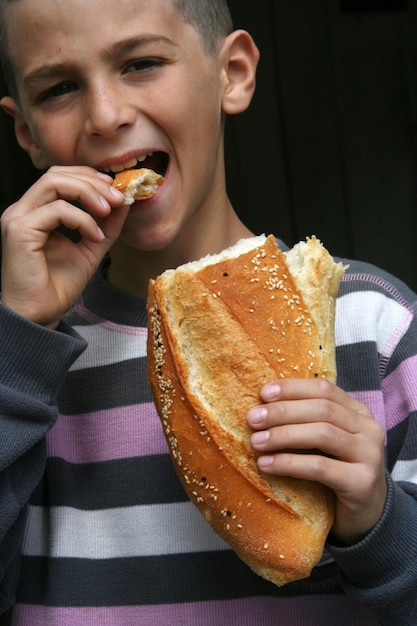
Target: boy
94	527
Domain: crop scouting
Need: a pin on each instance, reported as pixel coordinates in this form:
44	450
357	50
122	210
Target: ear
239	58
23	133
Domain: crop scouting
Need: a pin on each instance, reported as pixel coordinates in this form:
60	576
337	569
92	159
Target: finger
315	467
306	388
33	229
325	437
92	191
309	411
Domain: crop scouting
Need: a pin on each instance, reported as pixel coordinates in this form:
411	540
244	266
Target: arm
33	362
375	484
380	571
43	273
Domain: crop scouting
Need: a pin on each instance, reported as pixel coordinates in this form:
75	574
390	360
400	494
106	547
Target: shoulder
362	277
373	306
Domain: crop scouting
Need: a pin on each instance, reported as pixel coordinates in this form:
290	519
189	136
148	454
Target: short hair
210	18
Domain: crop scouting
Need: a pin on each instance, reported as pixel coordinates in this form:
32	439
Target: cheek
193	107
56	144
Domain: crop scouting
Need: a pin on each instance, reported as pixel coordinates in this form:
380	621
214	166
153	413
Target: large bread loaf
219	329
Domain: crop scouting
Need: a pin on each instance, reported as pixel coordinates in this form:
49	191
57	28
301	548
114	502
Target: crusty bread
137	184
219	328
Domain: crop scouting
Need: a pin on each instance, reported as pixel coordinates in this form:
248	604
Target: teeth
117	168
129	164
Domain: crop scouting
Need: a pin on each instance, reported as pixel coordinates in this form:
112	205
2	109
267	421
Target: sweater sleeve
381	570
33	362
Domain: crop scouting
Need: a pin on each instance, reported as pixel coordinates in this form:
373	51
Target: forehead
40	30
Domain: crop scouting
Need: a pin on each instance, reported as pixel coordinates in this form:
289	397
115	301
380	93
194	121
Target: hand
43	272
342	447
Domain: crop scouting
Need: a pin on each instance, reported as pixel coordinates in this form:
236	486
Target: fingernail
116	193
104	203
257	415
261	437
265	461
100	233
271	391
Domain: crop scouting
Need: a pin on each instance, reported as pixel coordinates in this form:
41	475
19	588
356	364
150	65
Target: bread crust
216	335
139	184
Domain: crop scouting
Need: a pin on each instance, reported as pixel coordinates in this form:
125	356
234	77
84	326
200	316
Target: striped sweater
95	529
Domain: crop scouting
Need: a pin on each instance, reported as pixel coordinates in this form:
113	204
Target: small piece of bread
137	184
219	329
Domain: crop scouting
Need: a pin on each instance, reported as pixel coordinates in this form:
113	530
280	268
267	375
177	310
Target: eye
58	91
142	65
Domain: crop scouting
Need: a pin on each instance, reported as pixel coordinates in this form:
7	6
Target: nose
107	111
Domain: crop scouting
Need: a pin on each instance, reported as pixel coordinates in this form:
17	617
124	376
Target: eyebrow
119	48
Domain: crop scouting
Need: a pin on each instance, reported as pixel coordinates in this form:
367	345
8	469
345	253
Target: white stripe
370	316
107	346
405	470
121	532
353	324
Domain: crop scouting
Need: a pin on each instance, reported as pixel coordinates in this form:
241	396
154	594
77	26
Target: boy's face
104	82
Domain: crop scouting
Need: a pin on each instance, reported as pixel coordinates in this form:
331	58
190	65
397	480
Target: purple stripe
374	401
398	397
313	610
400	391
115	434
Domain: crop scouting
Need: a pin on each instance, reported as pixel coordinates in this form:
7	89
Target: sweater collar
111	303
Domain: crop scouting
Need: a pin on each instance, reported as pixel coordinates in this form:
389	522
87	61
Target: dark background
329	145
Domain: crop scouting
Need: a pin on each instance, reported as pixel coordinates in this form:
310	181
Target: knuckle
326	388
319	465
10	223
376	432
368	478
325	408
325	431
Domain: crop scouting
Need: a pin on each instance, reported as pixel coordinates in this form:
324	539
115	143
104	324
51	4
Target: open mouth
156	161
